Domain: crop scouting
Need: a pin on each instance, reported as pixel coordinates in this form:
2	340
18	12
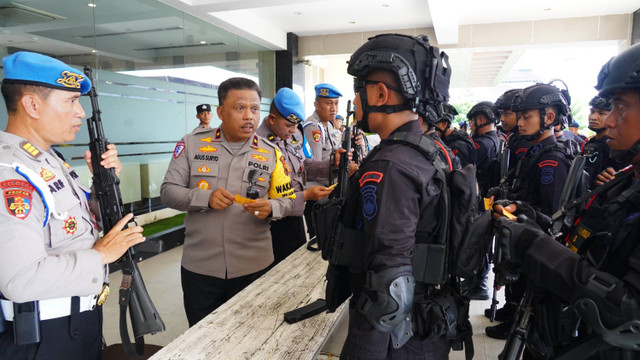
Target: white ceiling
313	17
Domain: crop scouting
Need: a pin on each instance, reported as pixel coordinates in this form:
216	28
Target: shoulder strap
428	146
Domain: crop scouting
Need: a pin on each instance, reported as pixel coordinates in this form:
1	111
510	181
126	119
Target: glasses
360	84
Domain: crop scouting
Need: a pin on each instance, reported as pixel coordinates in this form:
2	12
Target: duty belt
53	308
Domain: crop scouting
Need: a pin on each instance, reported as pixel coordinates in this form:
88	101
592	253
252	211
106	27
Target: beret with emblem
289	105
325	90
203	107
30	68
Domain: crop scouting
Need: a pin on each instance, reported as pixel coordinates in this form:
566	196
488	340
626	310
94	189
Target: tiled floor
162	279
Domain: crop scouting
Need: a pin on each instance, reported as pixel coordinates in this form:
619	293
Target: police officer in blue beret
204	115
53	263
282	127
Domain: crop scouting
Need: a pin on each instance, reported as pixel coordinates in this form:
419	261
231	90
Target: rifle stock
145	319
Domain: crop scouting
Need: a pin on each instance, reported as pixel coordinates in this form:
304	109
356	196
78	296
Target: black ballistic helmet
450	113
540	96
600	103
620	72
504	101
486	108
422	71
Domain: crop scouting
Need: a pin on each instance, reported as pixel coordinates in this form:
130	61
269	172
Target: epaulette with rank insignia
30	149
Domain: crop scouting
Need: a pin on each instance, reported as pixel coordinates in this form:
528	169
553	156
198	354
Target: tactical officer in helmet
483	117
539	177
392	197
592	293
595	148
458	141
509	121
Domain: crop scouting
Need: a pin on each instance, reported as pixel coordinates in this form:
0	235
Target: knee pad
388	297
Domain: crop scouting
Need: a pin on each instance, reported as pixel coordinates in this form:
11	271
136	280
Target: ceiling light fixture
91	5
202	42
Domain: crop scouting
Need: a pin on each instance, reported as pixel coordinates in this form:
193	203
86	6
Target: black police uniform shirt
597	156
613	248
461	146
486	146
396	207
542	177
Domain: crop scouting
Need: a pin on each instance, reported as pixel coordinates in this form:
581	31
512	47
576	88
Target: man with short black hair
232	183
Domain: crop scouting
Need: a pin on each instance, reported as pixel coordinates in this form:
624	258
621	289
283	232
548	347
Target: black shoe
500	331
479	292
503	314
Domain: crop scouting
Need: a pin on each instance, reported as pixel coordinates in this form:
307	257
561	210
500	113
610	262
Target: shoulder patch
316	134
178	149
548	163
369	201
17	197
374	176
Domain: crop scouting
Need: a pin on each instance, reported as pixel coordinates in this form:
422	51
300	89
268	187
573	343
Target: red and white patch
316	135
178	149
17	197
70	225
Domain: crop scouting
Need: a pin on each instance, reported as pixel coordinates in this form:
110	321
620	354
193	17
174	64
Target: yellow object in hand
242	200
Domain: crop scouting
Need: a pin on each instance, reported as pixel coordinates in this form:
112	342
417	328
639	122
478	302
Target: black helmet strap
388	109
625	156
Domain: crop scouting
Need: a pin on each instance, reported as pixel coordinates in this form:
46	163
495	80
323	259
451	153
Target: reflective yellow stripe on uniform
281	185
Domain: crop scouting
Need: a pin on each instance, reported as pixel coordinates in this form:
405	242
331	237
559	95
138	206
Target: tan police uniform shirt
232	240
301	166
320	141
55	260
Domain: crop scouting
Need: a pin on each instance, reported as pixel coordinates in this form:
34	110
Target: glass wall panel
152	65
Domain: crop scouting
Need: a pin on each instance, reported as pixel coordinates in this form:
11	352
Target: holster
340	245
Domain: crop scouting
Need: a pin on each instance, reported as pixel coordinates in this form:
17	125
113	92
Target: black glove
506	273
522	208
515	238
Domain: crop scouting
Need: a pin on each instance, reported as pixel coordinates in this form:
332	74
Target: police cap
289	105
30	68
202	108
325	90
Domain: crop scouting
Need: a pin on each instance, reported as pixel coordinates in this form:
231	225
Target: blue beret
574	124
289	105
327	91
36	69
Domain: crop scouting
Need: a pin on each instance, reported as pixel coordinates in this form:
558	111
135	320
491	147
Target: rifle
517	336
343	170
145	319
497	252
515	342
